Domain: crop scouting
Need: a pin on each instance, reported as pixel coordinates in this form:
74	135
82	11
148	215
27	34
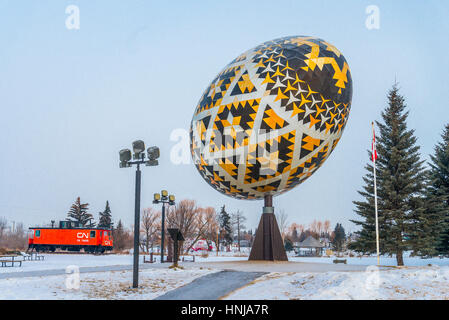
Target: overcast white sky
71	99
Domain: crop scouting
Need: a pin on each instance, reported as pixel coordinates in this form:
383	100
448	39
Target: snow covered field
99	285
384	261
61	261
404	283
417	280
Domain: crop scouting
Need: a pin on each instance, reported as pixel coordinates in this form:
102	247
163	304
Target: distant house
310	247
326	242
245	243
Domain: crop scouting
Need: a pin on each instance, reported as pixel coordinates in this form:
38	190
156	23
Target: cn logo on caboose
82	236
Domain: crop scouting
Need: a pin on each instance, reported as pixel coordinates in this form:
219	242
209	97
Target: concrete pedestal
268	243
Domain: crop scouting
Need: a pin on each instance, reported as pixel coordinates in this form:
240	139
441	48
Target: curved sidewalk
280	266
212	286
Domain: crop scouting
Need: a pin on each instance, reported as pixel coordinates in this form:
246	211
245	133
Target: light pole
163	198
125	162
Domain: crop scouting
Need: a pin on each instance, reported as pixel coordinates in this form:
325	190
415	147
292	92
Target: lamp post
163	198
125	162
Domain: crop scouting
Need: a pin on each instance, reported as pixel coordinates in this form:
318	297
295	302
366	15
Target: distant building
310	247
245	243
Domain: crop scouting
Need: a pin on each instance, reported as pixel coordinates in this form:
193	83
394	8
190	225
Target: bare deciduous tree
150	228
319	226
282	219
184	217
213	231
204	218
313	226
3	225
237	220
327	226
15	238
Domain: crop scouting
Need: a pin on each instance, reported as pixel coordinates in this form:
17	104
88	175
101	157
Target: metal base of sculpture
268	244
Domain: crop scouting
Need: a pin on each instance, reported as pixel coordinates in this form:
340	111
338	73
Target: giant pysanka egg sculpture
271	117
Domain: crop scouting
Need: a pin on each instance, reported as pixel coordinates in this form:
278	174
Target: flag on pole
374	158
373	147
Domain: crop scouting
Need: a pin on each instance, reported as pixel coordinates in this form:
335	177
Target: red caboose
70	236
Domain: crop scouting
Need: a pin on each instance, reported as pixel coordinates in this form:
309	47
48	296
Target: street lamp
125	162
163	198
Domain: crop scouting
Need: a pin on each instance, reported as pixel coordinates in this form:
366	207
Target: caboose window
92	234
38	233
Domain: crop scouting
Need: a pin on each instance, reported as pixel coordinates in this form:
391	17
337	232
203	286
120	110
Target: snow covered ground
99	285
384	260
396	283
61	261
417	280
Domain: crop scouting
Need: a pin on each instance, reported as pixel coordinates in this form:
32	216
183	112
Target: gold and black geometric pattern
271	117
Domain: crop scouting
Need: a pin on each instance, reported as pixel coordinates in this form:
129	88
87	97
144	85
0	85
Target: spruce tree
439	187
79	212
400	186
339	237
119	236
105	220
427	221
366	236
225	225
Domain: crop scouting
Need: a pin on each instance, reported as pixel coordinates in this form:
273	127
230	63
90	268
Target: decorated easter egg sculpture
271	117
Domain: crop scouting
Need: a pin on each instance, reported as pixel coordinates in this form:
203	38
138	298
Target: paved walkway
58	272
212	286
237	274
244	265
279	266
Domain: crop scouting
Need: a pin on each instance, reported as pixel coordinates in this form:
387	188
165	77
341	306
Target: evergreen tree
366	236
295	237
427	221
439	187
400	186
288	245
339	237
105	220
119	236
225	225
79	212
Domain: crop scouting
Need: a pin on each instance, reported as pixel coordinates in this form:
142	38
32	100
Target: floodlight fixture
156	198
125	156
153	153
151	163
171	200
163	198
138	148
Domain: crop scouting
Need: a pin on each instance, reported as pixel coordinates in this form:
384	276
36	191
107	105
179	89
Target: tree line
295	233
195	223
12	237
79	212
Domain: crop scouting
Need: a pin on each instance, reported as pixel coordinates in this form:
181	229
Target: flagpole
375	194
